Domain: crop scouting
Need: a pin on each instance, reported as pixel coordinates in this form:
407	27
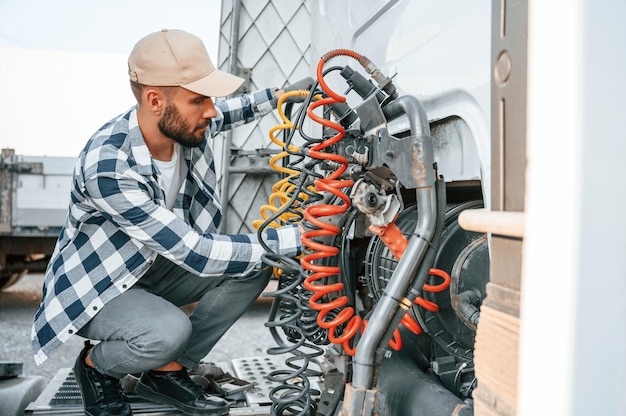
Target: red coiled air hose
331	184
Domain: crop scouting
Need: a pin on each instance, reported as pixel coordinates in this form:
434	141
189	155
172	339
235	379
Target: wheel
9	278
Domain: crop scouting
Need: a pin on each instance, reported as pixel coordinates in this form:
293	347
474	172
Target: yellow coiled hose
283	189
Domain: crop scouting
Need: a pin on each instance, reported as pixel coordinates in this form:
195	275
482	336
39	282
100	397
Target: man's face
186	117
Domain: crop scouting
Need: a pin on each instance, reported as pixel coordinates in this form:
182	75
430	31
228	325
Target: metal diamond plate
255	370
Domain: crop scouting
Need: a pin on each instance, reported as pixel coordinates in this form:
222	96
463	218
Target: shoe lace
186	382
110	390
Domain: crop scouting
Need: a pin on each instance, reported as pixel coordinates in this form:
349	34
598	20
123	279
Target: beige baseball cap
178	58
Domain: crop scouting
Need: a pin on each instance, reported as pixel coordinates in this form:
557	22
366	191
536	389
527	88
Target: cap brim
216	84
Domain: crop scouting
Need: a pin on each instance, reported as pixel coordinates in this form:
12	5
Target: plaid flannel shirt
117	223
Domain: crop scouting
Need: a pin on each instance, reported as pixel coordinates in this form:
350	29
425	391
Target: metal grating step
62	396
255	370
69	395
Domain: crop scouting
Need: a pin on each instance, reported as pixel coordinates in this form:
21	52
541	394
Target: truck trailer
34	196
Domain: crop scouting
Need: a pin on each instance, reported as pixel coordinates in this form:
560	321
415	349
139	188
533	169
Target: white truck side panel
440	52
41	198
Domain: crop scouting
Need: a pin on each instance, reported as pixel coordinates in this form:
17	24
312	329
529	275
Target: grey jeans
144	328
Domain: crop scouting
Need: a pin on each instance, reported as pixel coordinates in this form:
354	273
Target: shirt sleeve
243	109
129	206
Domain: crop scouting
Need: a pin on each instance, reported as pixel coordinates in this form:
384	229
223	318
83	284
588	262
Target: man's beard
173	126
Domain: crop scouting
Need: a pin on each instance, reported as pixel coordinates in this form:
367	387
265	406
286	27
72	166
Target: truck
451	171
34	196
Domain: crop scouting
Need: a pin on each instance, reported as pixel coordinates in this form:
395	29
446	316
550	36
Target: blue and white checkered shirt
117	223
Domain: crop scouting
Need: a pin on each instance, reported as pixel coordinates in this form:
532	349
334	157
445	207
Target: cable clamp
430	244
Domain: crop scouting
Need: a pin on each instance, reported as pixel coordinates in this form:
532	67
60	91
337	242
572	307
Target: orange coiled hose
396	242
407	320
313	214
318	251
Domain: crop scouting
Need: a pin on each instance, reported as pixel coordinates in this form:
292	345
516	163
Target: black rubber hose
429	258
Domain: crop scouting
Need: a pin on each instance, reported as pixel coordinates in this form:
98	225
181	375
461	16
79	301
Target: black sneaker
176	388
102	394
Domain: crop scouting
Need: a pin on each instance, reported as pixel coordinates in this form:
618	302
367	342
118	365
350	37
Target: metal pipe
234	36
412	107
387	306
423	271
228	136
253	170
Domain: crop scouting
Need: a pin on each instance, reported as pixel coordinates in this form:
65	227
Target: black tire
8	278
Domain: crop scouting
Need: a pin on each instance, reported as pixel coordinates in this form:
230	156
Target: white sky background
63	69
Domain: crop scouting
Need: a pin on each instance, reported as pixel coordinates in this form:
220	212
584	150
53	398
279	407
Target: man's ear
155	100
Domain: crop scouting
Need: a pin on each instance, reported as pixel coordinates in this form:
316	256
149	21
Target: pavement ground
18	304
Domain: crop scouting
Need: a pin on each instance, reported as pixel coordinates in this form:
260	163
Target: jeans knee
170	337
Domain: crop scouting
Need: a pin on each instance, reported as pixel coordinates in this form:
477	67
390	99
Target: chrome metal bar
228	136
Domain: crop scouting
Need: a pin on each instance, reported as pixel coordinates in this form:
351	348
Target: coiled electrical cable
293	396
282	190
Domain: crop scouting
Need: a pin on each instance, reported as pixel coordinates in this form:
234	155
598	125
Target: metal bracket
252	161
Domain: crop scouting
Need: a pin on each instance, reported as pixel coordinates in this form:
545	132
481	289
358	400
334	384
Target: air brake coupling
384	82
380	208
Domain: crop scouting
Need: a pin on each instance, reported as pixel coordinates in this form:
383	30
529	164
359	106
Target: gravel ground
247	338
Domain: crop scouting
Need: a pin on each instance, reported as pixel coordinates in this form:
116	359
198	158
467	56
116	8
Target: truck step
247	390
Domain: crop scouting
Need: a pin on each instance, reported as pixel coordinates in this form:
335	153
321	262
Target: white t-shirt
173	173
